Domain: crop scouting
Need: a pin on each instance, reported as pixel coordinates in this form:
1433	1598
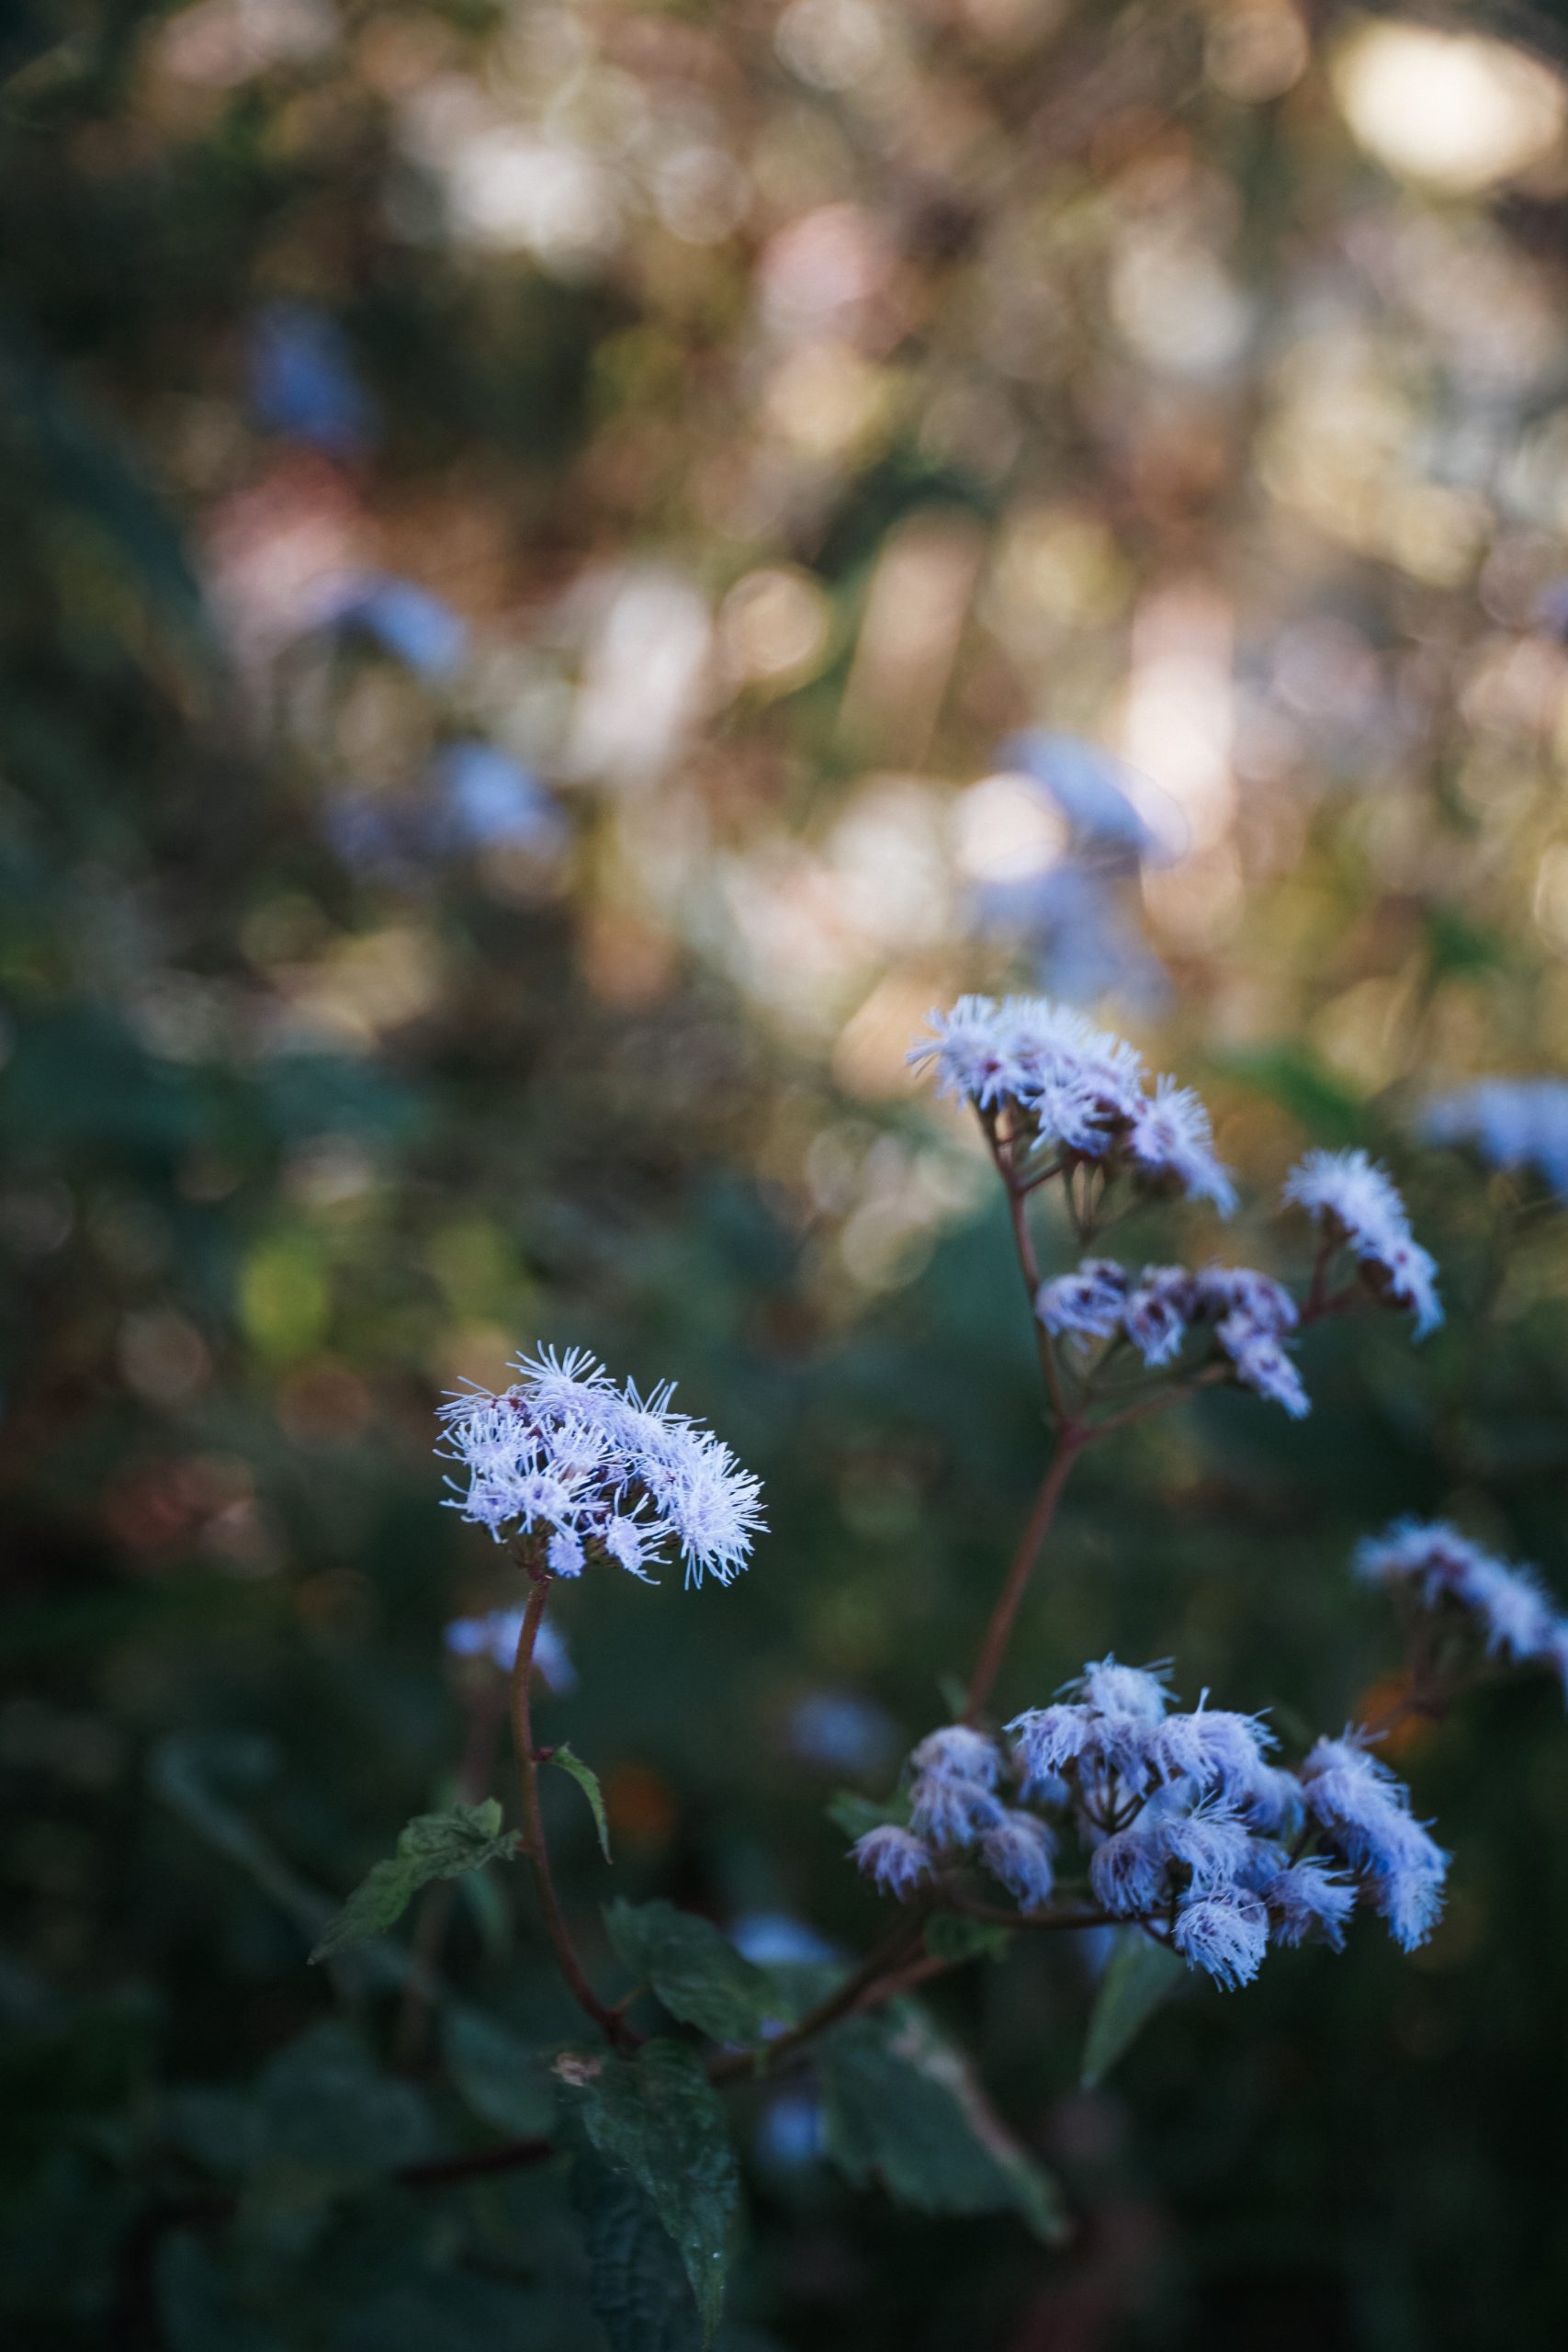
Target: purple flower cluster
1084	1091
1249	1314
1358	1208
1515	1617
565	1454
1185	1821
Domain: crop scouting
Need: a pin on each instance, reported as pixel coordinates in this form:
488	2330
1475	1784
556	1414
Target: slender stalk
533	1845
861	1988
1070	1443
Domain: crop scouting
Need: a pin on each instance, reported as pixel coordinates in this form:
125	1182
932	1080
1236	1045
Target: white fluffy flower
565	1455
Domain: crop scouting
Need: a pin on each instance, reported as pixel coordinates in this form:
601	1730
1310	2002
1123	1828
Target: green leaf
949	1936
854	1814
1138	1977
902	2103
641	2298
658	2117
693	1968
432	1846
587	1779
498	2078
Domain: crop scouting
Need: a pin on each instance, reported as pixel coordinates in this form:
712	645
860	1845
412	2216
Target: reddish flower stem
532	1841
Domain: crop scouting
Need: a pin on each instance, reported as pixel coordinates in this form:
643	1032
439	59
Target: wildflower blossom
1510	1122
1184	1823
1170	1142
1018	1850
1365	1812
1082	1087
566	1455
1307	1894
1357	1206
1157	1311
1087	1302
1514	1615
894	1858
1224	1935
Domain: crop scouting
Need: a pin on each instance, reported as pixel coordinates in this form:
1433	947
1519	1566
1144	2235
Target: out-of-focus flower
778	1939
1510	1122
565	1455
1090	786
496	1636
1250	1313
842	1732
405	620
487	800
894	1858
1514	1615
1357	1207
302	379
1365	1814
790	2134
1083	1086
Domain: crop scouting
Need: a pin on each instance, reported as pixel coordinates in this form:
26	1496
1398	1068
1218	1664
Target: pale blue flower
950	1814
778	1939
1128	1871
1017	1849
1305	1896
1513	1613
1216	1749
1050	1741
1357	1206
1365	1813
1087	1303
957	1753
1211	1844
1157	1311
1510	1122
564	1450
894	1858
1224	1935
1170	1143
842	1731
304	383
496	1636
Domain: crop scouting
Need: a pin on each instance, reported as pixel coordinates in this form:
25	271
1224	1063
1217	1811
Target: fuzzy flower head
1365	1815
894	1858
566	1456
1082	1089
1249	1313
1509	1122
1357	1206
1514	1615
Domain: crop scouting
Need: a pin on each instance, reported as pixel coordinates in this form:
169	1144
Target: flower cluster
1082	1089
1440	1567
565	1455
1249	1314
1358	1208
1185	1822
1510	1122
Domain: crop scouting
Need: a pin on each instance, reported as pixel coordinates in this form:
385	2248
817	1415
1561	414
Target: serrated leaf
587	1779
1138	1977
901	2104
497	2076
642	2299
950	1936
693	1968
658	2117
854	1814
432	1846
